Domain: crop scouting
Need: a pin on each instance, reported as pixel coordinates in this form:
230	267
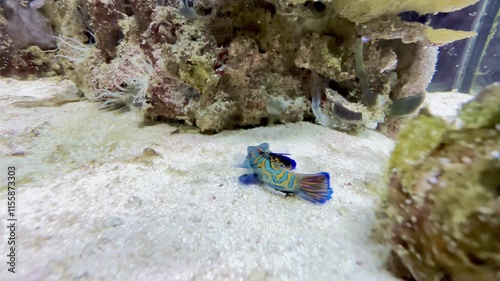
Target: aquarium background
467	65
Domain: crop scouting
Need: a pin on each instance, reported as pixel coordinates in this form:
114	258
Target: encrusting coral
226	64
442	213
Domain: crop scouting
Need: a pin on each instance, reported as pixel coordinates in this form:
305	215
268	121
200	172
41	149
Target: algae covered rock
229	64
363	10
442	215
27	43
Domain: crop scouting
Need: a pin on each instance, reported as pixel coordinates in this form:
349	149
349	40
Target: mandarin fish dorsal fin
279	160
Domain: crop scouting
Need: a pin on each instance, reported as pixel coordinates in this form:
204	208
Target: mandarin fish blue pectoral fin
249	179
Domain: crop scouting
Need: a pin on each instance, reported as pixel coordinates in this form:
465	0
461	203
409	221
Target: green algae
462	191
198	72
415	142
483	112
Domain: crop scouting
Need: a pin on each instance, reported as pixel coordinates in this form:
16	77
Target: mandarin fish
275	170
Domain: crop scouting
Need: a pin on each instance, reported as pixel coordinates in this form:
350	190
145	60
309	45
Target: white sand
446	104
89	207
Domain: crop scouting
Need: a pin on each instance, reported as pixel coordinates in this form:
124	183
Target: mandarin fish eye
260	151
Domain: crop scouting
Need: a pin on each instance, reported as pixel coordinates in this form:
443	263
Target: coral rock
442	216
228	64
27	26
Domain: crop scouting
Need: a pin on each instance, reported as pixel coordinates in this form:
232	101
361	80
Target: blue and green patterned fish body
275	170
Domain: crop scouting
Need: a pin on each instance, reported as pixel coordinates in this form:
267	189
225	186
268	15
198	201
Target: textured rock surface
232	64
26	26
24	32
442	217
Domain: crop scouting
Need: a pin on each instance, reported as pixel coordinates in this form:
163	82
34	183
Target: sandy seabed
94	202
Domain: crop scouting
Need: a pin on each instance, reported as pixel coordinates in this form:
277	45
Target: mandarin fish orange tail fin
315	188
